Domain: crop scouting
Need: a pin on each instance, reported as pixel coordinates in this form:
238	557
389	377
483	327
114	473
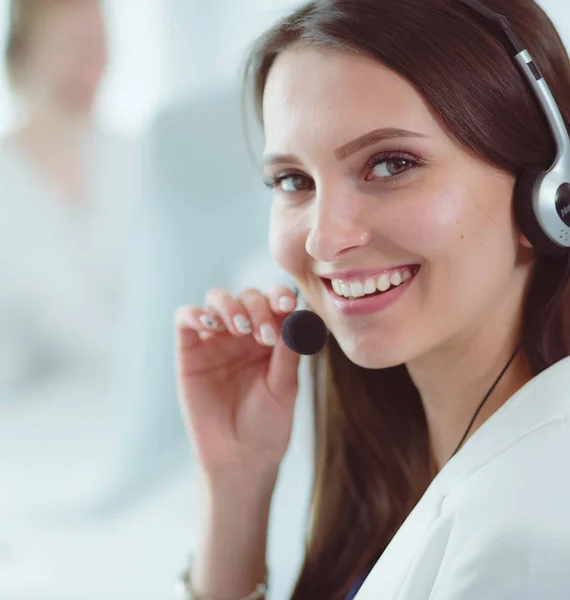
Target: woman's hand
237	380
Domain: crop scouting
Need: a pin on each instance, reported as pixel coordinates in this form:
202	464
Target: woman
419	214
67	187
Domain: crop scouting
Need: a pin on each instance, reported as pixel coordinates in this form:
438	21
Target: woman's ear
523	240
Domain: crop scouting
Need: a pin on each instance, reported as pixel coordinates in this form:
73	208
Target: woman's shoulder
501	530
505	527
523	446
526	482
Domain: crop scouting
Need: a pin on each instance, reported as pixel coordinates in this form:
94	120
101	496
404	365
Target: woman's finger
264	323
231	311
281	299
195	317
187	334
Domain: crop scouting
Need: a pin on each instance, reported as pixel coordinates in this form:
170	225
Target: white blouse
495	522
61	265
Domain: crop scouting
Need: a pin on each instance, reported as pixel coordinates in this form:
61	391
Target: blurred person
67	190
405	146
200	219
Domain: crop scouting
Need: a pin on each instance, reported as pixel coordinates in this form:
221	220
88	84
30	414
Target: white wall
559	12
207	39
137	81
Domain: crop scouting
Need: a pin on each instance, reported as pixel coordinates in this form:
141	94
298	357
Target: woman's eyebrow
342	153
372	137
280	159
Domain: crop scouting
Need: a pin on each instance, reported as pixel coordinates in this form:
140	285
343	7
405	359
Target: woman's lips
369	304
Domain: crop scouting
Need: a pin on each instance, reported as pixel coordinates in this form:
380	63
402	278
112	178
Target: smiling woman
397	137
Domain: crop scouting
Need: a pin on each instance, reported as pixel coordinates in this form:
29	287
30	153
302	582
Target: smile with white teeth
372	285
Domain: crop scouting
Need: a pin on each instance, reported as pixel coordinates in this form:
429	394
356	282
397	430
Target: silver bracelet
186	590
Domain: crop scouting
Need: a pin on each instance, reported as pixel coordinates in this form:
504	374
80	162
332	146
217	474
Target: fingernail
268	336
286	304
187	322
208	322
242	324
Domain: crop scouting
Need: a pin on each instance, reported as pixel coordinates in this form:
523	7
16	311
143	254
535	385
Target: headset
541	198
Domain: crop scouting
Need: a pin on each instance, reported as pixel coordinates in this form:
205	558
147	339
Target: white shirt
62	268
495	522
61	264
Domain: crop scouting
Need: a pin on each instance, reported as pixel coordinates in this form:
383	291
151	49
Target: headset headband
533	75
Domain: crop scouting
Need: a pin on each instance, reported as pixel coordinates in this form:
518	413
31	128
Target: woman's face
65	57
376	201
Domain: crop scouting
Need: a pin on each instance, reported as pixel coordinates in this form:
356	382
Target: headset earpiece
531	184
525	188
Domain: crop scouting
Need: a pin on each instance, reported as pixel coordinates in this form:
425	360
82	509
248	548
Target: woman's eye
385	167
391	167
295	183
290	183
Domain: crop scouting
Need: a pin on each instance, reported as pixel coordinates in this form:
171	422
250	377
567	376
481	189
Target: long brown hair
373	460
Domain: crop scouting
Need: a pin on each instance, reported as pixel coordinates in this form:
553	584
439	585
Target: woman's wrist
255	483
231	556
187	590
236	508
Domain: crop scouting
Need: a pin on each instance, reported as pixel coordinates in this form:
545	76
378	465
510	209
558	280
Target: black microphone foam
304	332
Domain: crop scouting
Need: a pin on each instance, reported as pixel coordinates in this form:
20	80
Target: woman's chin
372	357
367	363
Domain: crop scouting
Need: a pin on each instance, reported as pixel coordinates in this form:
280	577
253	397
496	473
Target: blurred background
128	189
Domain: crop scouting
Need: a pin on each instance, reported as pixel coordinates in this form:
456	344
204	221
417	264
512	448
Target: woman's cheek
436	227
287	238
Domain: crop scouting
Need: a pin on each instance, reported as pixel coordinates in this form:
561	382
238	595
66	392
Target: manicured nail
286	304
208	322
242	324
188	322
268	336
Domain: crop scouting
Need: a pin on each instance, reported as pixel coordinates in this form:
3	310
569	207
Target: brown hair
373	460
24	18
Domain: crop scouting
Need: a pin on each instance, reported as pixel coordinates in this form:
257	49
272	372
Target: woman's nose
337	226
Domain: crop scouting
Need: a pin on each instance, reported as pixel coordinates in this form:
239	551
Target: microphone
304	332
